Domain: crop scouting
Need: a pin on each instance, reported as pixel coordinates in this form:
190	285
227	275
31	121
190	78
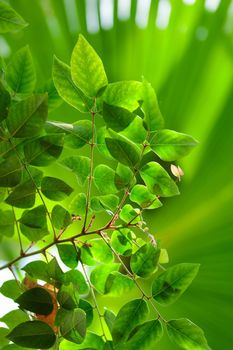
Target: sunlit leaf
172	283
33	223
61	218
186	334
21	75
87	69
79	165
68	255
144	262
142	196
170	145
27	118
130	315
10	20
158	181
67	88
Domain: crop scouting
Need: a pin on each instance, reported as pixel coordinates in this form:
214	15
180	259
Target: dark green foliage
122	253
36	300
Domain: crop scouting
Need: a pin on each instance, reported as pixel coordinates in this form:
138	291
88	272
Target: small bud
177	171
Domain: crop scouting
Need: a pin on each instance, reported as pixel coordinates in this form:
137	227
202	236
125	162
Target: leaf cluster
57	305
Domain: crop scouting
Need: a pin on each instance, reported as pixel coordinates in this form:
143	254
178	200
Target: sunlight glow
92	16
106	14
123	10
163	14
212	5
189	2
142	14
229	21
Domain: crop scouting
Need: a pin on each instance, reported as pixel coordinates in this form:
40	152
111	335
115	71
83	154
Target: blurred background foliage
185	49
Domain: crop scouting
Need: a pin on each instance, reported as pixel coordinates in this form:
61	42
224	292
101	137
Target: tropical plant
127	173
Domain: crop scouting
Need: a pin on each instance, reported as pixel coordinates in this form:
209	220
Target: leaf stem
94	301
92	145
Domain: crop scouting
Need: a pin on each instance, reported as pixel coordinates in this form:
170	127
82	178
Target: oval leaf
55	189
186	334
158	181
87	69
172	283
36	300
144	262
33	334
170	145
130	315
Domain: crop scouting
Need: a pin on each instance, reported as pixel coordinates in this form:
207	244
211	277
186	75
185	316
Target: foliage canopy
122	125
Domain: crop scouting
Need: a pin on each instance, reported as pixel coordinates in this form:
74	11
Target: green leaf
55	189
61	218
144	262
130	315
14	317
3	334
100	275
10	20
36	300
144	336
104	178
123	176
88	309
102	133
55	272
37	270
87	69
142	196
100	251
158	181
92	341
10	172
73	325
172	283
33	334
170	145
33	223
27	118
116	118
135	131
121	241
123	150
44	150
130	214
68	296
3	193
77	135
150	107
118	284
186	334
54	100
109	318
125	94
68	255
20	74
67	89
76	277
11	289
7	222
23	195
109	201
5	100
79	165
78	204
